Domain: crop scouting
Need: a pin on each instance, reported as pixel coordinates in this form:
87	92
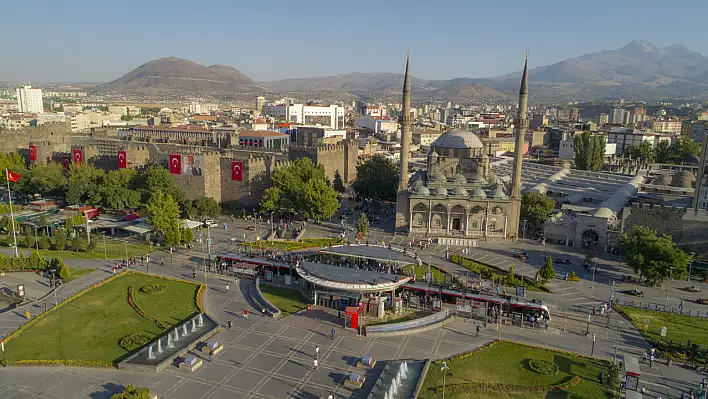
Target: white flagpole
12	213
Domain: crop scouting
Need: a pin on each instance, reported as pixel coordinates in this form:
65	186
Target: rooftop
261	133
349	279
376	252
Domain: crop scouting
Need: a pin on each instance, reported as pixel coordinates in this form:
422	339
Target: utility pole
126	253
444	370
619	328
88	230
105	251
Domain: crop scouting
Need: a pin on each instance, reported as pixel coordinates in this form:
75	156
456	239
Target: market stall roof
349	279
191	224
140	228
376	252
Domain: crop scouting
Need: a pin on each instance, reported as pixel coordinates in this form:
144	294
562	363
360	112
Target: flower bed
153	288
134	341
52	363
543	366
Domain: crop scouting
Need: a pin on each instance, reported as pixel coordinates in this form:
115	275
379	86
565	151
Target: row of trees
655	258
589	151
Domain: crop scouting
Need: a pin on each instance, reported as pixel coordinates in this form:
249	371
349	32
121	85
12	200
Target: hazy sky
93	41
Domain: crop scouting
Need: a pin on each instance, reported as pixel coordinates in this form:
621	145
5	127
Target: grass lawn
113	250
679	328
76	273
497	273
287	300
420	270
296	245
397	318
90	326
507	363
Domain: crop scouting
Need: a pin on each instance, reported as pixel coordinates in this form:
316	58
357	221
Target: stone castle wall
340	157
663	219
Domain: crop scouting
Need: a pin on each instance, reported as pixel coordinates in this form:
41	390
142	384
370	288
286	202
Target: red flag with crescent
77	155
176	164
122	160
33	153
12	176
237	170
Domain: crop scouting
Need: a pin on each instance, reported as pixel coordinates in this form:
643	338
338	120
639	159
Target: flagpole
12	213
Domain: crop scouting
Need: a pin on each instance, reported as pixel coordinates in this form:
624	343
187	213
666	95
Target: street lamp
690	266
619	328
444	370
523	237
671	271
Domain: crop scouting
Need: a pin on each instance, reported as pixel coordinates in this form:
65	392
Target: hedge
484	270
134	305
32	263
543	366
52	363
134	341
153	288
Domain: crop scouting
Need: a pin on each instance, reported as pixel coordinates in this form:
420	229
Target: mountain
177	76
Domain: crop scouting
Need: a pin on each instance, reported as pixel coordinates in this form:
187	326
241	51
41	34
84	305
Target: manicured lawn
287	300
90	326
76	273
420	270
678	328
296	245
497	273
507	363
397	318
113	250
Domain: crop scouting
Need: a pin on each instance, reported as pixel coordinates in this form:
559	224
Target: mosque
459	195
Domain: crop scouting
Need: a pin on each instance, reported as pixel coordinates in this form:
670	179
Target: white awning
190	224
378	287
141	228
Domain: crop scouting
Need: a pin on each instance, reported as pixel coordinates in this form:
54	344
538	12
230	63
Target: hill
177	76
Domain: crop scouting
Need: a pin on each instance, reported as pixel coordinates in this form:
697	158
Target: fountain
386	396
194	325
393	390
201	321
150	354
159	345
177	334
169	341
184	330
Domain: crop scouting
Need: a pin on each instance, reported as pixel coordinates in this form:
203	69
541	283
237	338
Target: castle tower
405	120
520	126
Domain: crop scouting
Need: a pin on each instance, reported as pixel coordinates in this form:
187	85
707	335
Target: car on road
210	223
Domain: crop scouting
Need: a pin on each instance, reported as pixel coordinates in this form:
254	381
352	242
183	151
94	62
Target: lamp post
690	266
671	271
444	370
523	237
619	328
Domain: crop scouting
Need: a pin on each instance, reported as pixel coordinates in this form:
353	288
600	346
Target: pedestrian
245	314
651	360
229	323
194	273
332	333
644	389
317	352
477	331
314	364
681	306
263	312
646	356
331	396
210	354
227	288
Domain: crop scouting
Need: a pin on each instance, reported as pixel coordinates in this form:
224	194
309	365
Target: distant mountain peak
640	45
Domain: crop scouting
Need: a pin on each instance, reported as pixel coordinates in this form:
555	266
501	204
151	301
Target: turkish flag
122	160
237	170
33	153
11	176
176	164
77	155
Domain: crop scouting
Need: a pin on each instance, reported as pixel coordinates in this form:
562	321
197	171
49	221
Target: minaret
521	124
405	121
402	200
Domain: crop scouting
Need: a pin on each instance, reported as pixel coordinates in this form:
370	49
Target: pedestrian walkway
15	318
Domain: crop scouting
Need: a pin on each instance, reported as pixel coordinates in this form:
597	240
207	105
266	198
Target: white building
666	126
625	139
566	149
375	110
324	115
29	100
203	109
617	116
377	124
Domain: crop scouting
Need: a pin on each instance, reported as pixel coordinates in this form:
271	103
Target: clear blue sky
92	41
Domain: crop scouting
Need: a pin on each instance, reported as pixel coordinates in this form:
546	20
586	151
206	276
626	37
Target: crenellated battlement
657	208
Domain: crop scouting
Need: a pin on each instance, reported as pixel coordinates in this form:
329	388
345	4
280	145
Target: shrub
134	341
543	366
60	239
62	270
79	244
44	243
132	392
153	288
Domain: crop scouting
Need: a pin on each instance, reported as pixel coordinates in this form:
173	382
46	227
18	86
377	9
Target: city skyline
461	40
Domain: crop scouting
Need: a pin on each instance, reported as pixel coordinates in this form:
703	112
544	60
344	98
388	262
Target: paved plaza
266	358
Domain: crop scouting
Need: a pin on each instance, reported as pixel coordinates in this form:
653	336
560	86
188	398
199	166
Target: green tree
162	212
653	257
132	392
203	207
29	240
79	244
62	270
44	179
510	276
675	151
376	178
43	220
362	224
662	153
186	236
44	242
536	207
547	272
84	184
301	187
60	239
157	178
338	184
116	191
589	151
12	161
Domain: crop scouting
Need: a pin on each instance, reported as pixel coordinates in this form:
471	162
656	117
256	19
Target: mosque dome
460	139
492	179
439	177
422	190
458	178
461	191
479	193
441	191
498	192
479	179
